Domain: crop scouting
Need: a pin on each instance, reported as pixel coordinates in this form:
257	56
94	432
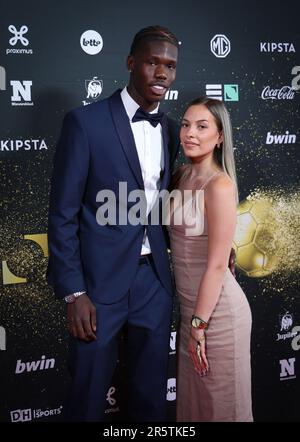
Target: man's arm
65	273
70	172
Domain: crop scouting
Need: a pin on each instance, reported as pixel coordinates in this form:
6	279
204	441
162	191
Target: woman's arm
220	206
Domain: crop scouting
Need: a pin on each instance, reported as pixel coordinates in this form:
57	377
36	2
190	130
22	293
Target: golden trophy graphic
255	240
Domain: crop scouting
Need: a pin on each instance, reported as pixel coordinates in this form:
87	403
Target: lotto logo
91	42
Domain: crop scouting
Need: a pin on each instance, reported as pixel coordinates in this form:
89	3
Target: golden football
255	238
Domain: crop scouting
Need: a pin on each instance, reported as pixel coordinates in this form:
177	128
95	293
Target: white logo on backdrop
276	47
21	90
2	78
286	323
10	145
171	95
94	88
296	340
171	389
296	80
287	369
18	35
287	138
284	93
91	42
226	92
42	364
28	414
220	45
21	415
2	338
173	342
109	397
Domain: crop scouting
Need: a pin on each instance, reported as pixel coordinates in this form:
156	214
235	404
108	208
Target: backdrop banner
56	56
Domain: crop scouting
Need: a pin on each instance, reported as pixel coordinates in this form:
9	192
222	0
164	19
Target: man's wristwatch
72	298
199	323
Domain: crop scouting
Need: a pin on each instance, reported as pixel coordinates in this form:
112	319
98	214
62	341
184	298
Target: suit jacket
96	151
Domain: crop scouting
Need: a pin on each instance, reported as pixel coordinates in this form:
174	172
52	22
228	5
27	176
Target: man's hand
231	263
81	319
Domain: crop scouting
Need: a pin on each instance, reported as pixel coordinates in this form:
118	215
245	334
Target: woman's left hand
197	351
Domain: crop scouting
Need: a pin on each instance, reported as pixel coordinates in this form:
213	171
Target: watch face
196	322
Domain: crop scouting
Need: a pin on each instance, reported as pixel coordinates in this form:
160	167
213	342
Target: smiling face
199	133
153	70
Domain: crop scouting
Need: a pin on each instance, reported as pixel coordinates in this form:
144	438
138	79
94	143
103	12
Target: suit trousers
146	310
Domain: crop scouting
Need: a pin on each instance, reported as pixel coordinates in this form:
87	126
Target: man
116	274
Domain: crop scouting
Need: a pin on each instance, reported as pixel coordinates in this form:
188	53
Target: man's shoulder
90	109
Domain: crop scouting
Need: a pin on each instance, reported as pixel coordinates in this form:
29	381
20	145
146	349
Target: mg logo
287	367
2	338
18	35
21	415
220	45
21	90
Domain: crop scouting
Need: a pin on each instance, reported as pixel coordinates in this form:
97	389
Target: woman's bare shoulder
222	184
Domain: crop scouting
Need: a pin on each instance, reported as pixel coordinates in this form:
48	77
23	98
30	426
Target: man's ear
130	62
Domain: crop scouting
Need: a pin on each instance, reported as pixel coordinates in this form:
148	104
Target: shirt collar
130	105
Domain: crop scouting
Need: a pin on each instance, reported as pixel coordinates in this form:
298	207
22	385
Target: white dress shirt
149	145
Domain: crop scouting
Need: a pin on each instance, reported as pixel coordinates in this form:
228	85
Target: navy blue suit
96	151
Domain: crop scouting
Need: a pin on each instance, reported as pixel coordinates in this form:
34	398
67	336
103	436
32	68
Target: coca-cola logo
285	93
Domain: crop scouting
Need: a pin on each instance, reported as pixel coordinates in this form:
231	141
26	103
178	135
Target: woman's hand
197	351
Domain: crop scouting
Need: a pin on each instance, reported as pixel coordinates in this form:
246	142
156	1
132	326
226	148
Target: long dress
224	394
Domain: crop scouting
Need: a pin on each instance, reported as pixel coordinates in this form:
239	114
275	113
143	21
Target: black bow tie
153	119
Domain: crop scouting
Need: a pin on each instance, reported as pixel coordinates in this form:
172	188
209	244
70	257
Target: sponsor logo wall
50	66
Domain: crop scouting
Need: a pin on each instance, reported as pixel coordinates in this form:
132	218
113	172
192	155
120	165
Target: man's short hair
152	33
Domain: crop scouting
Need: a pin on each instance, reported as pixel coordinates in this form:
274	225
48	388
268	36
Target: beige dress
224	394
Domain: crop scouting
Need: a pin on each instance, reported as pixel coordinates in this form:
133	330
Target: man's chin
157	98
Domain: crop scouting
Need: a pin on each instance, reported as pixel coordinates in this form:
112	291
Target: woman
214	373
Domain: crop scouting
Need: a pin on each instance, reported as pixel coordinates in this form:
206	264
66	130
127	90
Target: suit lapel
125	134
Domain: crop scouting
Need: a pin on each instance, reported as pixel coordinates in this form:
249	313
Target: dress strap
210	178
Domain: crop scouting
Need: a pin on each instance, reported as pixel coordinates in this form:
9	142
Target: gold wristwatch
199	323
